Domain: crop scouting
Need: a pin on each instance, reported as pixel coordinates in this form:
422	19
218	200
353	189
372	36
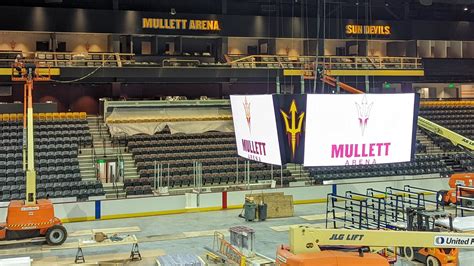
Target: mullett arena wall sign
326	130
180	24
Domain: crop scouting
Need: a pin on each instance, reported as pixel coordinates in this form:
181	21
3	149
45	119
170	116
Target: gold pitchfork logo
294	131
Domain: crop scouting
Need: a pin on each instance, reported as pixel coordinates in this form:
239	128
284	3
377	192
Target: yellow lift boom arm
454	137
305	239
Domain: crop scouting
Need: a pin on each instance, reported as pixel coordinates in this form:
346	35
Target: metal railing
464	200
329	62
199	175
114	182
68	59
94	163
180	63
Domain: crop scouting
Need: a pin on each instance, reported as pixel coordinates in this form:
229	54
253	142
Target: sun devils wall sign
293	126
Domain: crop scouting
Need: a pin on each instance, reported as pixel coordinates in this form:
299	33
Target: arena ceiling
457	10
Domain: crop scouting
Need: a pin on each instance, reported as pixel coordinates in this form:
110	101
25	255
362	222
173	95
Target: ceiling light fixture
173	11
465	8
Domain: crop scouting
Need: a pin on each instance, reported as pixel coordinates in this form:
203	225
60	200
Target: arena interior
123	141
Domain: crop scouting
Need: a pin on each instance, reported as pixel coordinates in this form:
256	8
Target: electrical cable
81	78
268	30
324	38
78	79
292	40
357	42
306	35
317	46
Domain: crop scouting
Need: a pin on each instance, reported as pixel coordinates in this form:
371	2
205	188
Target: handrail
168	119
94	162
66	59
329	62
327	57
456	103
186	61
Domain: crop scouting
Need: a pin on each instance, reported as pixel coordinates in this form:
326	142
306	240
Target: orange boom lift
446	197
340	247
30	217
309	246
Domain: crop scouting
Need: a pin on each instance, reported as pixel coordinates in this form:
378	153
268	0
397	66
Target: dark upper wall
362	9
130	22
85	97
69	97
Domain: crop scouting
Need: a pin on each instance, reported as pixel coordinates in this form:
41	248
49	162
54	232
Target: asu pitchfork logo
363	112
293	127
247	113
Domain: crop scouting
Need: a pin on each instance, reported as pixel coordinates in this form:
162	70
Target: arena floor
182	233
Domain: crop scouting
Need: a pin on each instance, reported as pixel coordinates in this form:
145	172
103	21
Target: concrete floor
163	235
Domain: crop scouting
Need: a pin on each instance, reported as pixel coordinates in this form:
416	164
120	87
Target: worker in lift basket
18	64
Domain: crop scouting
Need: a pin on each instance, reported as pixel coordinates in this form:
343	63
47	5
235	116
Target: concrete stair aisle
431	147
116	192
85	157
130	169
88	172
87	168
454	164
99	131
298	172
103	149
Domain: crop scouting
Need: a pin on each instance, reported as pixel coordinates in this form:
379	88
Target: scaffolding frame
377	209
464	199
355	210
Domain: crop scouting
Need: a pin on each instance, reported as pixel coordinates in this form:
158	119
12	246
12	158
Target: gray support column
302	84
338	88
178	45
224	90
271	46
113	43
115	4
53	42
278	89
116	89
222	48
367	84
224	7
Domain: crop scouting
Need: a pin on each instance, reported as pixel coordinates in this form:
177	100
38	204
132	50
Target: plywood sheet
284	228
103	259
182	235
278	204
105	231
321	216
